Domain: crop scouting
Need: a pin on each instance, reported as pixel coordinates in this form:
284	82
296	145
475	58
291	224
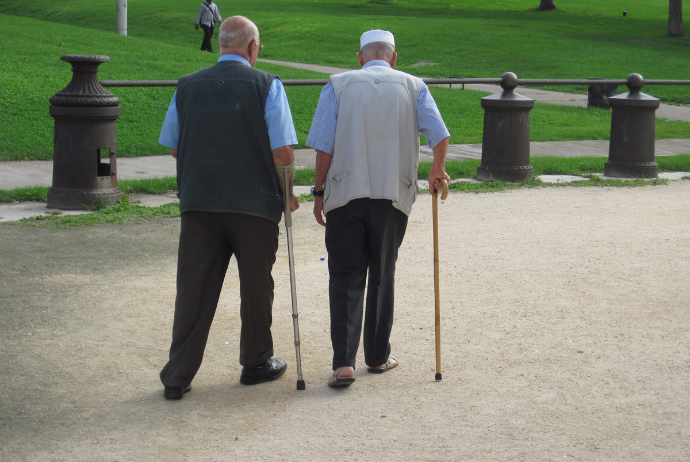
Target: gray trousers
362	236
207	241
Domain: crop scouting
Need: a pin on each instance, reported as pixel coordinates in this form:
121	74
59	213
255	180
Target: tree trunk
546	5
675	18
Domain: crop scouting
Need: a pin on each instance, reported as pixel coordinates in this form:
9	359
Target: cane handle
444	194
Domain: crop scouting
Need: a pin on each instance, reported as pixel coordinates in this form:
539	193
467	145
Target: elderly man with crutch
366	136
230	128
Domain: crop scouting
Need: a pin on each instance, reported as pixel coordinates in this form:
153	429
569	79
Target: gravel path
565	336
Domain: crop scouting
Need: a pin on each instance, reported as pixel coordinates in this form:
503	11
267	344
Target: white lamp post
122	17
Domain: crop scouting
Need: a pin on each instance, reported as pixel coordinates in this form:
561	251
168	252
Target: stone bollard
84	165
631	149
505	144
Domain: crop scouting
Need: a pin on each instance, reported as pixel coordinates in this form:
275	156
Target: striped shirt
207	13
322	133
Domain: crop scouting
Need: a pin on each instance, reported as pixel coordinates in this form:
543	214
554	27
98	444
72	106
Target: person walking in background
230	128
207	16
366	136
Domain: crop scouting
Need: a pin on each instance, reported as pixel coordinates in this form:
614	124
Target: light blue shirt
322	133
281	129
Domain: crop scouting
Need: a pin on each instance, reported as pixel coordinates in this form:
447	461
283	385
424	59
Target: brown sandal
390	364
335	381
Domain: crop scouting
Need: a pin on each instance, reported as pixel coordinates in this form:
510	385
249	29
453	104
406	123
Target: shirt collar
376	62
231	57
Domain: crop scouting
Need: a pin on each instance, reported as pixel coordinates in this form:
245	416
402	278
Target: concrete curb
40	173
19	210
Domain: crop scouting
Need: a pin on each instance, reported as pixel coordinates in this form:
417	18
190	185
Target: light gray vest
376	151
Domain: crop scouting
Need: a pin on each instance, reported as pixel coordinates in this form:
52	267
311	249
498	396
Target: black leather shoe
270	370
176	392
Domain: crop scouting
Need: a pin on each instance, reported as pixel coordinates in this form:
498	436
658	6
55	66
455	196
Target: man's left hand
318	210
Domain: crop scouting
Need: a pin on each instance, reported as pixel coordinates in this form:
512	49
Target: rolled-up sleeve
322	132
429	120
171	126
281	128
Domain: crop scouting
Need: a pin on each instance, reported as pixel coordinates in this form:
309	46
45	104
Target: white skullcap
376	35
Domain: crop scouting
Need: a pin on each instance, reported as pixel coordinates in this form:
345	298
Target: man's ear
360	58
394	60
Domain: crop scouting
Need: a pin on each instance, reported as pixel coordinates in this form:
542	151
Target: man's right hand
318	210
196	27
294	203
436	174
438	167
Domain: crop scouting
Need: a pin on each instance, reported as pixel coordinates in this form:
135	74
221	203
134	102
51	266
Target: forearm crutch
436	276
286	172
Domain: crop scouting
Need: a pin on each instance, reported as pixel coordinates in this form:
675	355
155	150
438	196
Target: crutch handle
286	205
286	173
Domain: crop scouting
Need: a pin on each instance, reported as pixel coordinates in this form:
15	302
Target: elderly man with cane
230	128
366	136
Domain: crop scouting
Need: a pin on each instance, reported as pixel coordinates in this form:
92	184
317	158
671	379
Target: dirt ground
566	335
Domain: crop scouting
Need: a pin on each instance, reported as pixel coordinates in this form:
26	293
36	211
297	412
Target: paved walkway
39	173
19	174
665	111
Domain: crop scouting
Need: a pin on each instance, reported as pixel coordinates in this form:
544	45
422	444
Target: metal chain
429	81
139	83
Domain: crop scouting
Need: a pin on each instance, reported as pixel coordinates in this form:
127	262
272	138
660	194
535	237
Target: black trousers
207	241
363	235
208	35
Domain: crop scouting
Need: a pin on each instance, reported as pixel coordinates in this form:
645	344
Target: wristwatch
316	193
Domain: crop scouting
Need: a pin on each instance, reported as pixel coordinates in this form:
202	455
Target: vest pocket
405	181
332	184
341	176
411	193
273	194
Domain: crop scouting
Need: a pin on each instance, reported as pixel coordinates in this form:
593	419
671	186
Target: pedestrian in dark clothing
207	17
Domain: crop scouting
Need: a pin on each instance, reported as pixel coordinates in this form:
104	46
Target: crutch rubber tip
300	385
438	376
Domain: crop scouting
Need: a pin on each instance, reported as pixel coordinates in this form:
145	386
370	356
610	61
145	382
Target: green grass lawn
473	38
582	166
467	38
123	211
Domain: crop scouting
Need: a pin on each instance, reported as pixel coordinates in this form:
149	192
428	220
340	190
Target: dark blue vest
224	158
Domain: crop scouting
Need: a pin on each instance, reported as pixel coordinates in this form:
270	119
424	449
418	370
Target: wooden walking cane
436	276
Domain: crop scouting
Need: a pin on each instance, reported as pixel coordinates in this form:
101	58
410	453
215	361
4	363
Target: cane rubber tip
438	377
300	385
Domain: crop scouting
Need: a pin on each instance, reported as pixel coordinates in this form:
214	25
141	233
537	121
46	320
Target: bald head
237	32
378	50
